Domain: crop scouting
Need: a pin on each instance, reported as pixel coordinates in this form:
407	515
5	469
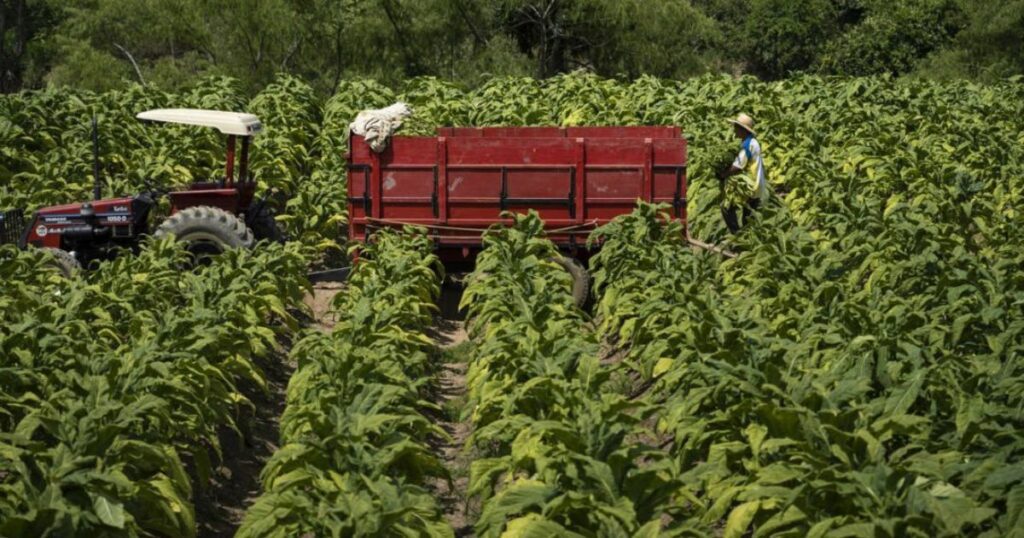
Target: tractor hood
101	207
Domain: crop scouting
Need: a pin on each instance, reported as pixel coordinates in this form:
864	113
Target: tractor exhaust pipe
96	187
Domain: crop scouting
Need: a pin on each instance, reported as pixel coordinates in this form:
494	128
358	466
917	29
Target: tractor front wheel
208	231
64	262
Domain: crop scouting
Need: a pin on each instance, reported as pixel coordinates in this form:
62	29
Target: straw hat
745	122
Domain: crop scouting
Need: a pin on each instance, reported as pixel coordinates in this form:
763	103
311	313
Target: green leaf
535	526
1015	508
110	511
296	477
854	530
740	519
663	365
901	400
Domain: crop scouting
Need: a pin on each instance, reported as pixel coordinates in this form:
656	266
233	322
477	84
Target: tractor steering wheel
154	191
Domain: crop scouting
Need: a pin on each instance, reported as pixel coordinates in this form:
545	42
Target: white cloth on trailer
377	126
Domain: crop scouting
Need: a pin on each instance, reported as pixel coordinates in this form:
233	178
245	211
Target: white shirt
750	154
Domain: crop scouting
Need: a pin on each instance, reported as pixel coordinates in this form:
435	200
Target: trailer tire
207	230
580	279
64	262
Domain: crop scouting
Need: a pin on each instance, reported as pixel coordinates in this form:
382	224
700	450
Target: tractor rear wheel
64	262
580	279
208	231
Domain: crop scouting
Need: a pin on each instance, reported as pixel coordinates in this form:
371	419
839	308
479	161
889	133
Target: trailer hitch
337	274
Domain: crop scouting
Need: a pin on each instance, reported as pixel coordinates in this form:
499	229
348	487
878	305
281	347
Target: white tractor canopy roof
229	123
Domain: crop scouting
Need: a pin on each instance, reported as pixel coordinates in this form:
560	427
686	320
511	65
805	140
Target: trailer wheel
64	262
208	231
580	279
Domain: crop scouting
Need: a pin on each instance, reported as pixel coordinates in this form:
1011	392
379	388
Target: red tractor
210	216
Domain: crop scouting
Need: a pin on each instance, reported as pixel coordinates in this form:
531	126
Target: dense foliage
855	371
824	139
354	459
806	389
103	44
113	378
559	451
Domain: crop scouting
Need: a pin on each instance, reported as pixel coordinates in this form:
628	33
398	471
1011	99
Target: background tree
21	22
990	47
100	44
892	37
785	36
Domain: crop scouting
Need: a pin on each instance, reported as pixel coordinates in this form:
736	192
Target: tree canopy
99	44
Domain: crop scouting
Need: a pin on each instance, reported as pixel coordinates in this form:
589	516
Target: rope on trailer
576	228
588	224
390	222
445	227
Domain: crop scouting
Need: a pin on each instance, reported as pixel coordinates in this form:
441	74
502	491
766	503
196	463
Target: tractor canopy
229	123
233	124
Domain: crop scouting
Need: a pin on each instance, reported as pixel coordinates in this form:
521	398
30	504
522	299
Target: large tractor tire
580	279
208	231
64	262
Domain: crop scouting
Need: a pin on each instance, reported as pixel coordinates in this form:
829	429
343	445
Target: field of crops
112	383
855	371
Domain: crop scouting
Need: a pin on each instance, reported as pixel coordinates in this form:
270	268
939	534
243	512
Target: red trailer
459	182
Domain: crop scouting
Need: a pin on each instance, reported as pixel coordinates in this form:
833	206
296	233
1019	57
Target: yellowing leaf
740	519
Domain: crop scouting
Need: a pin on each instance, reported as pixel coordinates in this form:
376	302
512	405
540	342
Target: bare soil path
235	485
451	338
319	302
453	346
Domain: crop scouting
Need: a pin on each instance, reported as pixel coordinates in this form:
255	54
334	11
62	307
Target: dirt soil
449	336
221	505
320	303
611	354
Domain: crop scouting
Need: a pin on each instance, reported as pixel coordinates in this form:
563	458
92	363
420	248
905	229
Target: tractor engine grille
12	225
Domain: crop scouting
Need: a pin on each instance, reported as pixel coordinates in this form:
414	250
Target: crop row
833	396
114	379
837	149
45	149
559	451
355	458
855	371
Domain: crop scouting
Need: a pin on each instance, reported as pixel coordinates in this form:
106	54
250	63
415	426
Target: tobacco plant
561	453
855	371
814	391
355	459
114	378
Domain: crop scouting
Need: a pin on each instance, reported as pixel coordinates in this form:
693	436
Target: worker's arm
726	173
731	171
737	166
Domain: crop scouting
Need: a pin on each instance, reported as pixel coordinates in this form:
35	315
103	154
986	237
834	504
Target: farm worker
753	190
